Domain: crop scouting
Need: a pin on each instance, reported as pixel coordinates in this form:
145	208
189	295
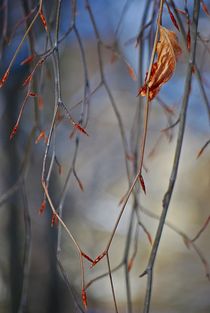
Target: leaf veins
168	50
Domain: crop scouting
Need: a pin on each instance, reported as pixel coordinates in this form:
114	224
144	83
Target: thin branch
104	275
197	72
9	193
188	242
168	194
6	74
111	282
68	284
27	252
202	229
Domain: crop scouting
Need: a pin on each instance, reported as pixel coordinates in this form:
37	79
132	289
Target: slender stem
27	252
69	286
143	136
23	38
197	71
111	282
168	194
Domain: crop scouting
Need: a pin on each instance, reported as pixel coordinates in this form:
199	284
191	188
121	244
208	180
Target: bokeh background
180	281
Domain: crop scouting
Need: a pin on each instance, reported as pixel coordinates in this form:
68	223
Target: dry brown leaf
168	49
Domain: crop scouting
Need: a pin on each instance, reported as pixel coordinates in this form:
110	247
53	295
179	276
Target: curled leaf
168	50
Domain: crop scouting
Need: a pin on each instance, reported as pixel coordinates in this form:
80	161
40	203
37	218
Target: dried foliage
40	68
168	50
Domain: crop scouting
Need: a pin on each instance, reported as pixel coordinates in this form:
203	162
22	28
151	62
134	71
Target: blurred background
101	71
